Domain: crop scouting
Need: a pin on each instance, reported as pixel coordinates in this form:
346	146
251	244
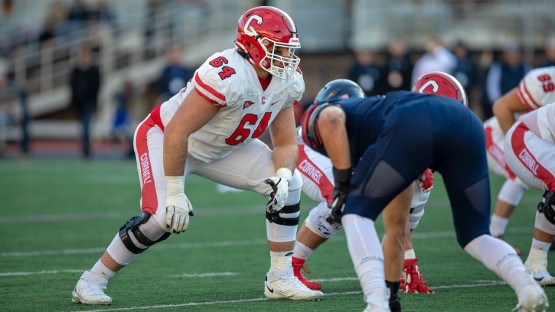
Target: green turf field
57	217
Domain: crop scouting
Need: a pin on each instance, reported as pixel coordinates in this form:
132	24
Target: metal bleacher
204	26
200	27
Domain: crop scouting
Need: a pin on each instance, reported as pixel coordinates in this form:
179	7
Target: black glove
342	179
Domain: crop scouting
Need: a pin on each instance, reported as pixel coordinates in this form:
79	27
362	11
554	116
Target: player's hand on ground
178	210
280	189
342	180
412	280
426	181
338	203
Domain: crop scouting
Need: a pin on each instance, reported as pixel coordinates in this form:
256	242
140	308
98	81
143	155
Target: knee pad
131	231
282	226
317	222
415	215
546	206
288	215
541	223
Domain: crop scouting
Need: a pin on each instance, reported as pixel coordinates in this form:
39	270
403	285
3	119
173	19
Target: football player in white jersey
316	171
210	128
530	153
533	91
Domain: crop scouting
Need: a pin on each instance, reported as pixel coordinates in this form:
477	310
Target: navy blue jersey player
390	141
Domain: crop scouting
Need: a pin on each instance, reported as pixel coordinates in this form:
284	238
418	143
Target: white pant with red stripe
245	168
317	174
495	145
530	157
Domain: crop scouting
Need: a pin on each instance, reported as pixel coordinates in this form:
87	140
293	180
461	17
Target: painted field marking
347	293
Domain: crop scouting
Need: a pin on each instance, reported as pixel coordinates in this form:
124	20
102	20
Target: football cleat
532	298
298	264
86	292
538	270
412	280
378	301
282	284
517	251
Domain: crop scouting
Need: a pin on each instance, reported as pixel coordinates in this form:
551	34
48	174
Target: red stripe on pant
149	199
314	174
496	153
527	158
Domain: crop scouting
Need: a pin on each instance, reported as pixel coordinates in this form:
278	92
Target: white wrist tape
175	185
285	173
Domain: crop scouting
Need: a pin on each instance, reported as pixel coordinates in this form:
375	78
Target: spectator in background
78	15
502	76
174	76
85	85
398	67
57	12
102	13
121	130
466	70
54	19
549	59
47	34
10	89
367	73
154	8
436	58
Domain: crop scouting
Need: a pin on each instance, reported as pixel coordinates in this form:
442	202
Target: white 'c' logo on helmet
249	30
435	86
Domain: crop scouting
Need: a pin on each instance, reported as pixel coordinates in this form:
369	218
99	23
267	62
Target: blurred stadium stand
329	31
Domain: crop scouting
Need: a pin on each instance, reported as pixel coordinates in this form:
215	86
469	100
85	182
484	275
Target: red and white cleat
298	264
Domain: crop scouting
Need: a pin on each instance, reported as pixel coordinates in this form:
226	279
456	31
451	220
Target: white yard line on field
161	246
235	243
347	293
208	274
200	211
6	274
84	216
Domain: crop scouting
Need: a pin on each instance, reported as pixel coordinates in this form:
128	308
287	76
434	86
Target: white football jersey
229	81
537	88
546	122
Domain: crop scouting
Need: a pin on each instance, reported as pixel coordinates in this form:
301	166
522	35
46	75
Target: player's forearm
334	135
285	156
175	153
504	116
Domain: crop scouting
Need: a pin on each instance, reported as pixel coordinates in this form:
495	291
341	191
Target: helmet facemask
273	62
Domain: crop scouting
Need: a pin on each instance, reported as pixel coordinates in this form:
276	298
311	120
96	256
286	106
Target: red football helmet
261	32
442	84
